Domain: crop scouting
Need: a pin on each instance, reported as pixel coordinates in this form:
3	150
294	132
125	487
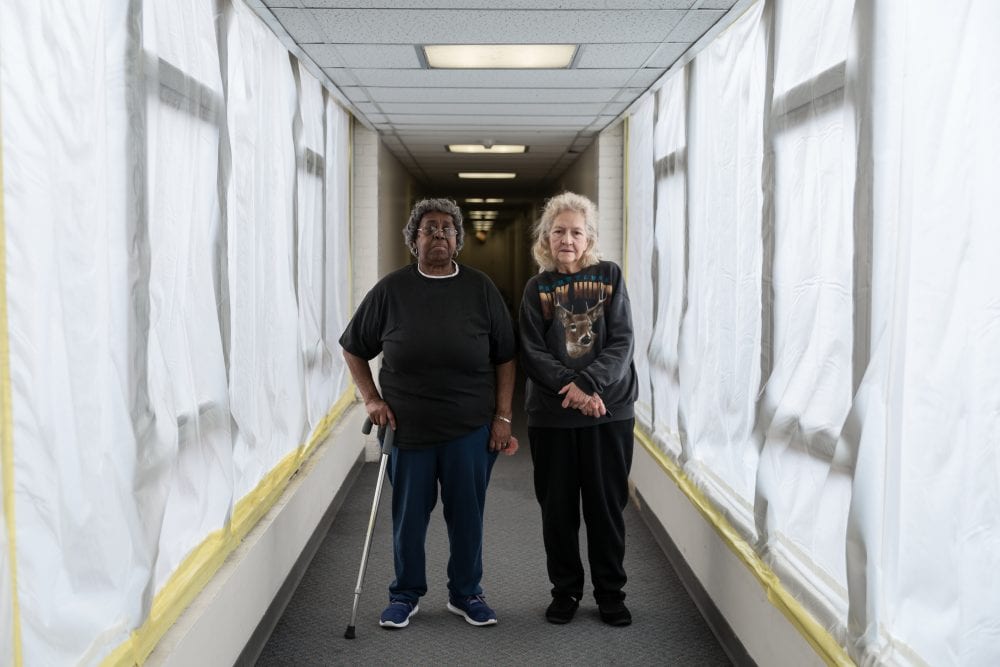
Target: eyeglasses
434	231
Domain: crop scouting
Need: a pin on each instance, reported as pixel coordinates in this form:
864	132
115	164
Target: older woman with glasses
446	379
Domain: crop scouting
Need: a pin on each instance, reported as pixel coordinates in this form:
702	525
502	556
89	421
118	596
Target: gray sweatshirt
577	328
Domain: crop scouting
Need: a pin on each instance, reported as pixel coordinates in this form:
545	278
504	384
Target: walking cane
387	435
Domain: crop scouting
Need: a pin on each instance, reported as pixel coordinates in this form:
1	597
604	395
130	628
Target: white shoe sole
406	622
455	610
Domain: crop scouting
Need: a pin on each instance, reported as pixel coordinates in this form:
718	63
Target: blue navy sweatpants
461	470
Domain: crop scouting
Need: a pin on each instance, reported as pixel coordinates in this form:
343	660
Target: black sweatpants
591	463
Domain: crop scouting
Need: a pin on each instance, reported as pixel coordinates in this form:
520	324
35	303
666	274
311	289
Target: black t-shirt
440	339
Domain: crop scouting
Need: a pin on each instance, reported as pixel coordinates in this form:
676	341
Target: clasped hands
577	399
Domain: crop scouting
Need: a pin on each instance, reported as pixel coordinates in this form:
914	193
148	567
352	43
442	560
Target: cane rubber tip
349	633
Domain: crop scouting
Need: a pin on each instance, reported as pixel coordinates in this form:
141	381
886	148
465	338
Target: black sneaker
561	609
615	613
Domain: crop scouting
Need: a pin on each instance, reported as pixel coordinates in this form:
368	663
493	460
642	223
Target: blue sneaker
473	608
397	614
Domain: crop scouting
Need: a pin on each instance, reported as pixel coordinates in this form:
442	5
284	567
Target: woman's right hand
380	413
594	407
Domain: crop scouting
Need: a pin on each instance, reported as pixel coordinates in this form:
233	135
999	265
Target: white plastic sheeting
831	182
809	262
669	246
266	380
639	248
174	286
720	332
924	534
190	434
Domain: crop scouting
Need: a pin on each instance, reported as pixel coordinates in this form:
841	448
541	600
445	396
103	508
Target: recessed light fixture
473	200
494	200
499	56
483	148
487	174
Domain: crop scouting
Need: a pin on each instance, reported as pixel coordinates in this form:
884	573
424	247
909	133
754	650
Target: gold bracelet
502	418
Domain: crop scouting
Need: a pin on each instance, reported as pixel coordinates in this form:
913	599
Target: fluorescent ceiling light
480	200
494	200
481	148
487	174
499	56
473	200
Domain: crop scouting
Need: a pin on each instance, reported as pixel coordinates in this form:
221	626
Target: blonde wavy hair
567	201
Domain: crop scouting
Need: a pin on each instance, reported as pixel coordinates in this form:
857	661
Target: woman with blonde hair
576	350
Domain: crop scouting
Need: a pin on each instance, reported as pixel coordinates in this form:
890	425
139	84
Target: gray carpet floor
667	628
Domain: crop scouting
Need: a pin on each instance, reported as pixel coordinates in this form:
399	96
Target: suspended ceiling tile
356	94
342	77
478	128
300	25
497	95
368	108
492	4
667	53
324	55
599	56
496	78
424	26
628	95
379	56
535	141
694	24
519	108
481	120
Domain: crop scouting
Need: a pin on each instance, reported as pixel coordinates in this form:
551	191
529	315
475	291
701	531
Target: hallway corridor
667	630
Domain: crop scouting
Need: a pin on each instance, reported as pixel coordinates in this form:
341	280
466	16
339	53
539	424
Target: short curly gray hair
567	201
425	206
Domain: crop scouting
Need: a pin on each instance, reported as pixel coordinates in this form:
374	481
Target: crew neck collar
450	275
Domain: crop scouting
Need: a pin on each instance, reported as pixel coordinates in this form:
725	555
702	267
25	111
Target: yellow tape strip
7	429
822	641
198	568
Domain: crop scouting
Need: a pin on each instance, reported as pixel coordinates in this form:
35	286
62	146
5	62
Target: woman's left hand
575	398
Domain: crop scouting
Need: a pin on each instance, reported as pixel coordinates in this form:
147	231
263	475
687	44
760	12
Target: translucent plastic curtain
924	532
670	240
187	383
311	284
83	558
721	328
801	496
639	246
266	377
338	252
